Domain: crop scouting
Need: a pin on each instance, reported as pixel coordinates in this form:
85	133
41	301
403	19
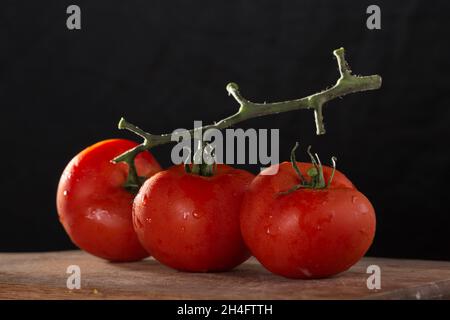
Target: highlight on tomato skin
307	233
94	207
191	222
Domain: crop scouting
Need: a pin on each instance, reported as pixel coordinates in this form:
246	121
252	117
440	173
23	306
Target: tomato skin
309	233
190	222
94	208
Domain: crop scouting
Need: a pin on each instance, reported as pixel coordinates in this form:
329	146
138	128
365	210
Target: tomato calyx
201	169
204	161
316	178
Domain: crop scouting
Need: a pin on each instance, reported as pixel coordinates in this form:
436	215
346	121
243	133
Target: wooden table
43	276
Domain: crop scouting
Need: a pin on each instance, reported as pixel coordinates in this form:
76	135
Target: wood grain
43	276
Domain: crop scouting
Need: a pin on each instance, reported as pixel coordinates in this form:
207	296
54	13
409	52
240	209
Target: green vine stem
346	84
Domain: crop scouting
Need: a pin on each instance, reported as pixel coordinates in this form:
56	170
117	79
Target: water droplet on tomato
148	220
196	214
318	228
185	215
65	192
271	230
183	229
354	199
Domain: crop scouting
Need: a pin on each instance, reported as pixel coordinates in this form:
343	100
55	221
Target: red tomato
191	222
308	233
94	208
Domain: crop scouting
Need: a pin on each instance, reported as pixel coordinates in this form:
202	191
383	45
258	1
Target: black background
163	64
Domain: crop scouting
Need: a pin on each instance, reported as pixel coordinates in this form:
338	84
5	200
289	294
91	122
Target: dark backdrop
163	64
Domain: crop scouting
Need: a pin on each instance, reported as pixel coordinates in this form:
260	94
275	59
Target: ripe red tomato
93	206
307	233
191	222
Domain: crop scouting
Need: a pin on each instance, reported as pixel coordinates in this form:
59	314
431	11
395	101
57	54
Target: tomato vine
346	84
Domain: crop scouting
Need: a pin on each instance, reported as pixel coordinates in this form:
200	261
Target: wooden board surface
43	276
